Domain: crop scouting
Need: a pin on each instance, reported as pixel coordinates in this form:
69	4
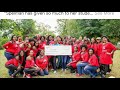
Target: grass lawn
115	69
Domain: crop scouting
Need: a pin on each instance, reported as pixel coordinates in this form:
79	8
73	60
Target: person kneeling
13	65
30	66
42	63
75	59
93	65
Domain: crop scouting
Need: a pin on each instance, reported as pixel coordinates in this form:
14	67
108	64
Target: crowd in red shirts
26	57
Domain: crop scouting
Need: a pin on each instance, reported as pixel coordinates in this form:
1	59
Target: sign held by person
58	50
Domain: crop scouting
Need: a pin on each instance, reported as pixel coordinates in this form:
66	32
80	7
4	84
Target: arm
6	45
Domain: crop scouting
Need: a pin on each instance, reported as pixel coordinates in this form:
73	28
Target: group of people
27	57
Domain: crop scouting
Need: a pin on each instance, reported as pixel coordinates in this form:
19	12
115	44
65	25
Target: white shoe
54	71
108	73
62	70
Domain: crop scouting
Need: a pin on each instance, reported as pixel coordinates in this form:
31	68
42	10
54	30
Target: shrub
3	40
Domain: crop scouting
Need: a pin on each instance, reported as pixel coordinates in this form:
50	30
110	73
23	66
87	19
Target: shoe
102	76
28	76
54	71
78	75
93	76
62	70
108	73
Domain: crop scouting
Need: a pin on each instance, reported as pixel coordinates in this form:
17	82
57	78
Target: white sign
58	50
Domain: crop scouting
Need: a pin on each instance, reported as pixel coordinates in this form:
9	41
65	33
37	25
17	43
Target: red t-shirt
99	48
42	62
94	46
75	58
11	47
42	45
84	56
29	63
93	60
13	62
104	57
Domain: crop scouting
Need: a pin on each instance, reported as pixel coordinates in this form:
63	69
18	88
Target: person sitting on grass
13	65
83	62
75	59
42	63
93	65
30	66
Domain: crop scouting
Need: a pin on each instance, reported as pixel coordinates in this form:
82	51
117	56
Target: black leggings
72	70
104	69
13	68
30	70
53	62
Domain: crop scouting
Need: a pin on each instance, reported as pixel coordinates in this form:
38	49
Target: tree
90	28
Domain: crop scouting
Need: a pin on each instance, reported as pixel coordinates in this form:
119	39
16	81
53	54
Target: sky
51	22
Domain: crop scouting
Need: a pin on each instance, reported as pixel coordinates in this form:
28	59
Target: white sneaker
62	70
54	71
108	73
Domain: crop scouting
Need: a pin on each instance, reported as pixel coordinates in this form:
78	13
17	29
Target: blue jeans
59	63
68	59
80	67
44	72
91	70
64	61
9	56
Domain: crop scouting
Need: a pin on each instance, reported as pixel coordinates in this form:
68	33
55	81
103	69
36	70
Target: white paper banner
58	50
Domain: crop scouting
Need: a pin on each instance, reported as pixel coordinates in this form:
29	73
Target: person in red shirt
35	49
30	66
75	59
106	56
50	40
11	48
22	61
94	45
19	40
84	60
12	65
77	43
42	63
42	43
99	46
87	42
93	65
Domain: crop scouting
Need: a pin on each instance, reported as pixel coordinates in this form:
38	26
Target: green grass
115	69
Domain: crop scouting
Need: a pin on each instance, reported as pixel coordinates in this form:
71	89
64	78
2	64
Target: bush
3	40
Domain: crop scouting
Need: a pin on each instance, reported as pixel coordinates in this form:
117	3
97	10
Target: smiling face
31	53
83	49
42	39
14	38
104	39
93	40
36	44
42	53
90	52
17	57
21	53
75	49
